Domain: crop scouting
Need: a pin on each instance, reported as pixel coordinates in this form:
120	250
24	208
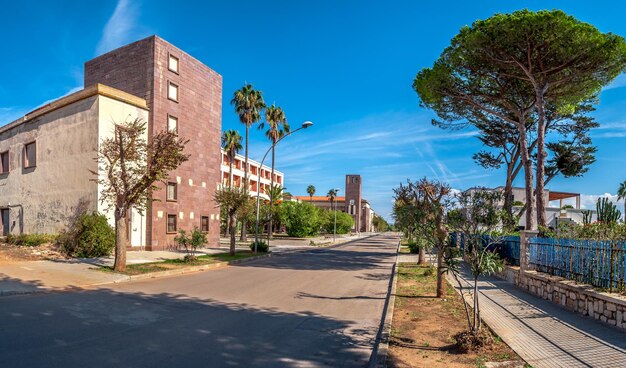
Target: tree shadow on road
104	328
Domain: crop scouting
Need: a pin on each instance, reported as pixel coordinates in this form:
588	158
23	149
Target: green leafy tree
277	127
249	105
234	200
300	219
311	191
518	67
345	222
128	168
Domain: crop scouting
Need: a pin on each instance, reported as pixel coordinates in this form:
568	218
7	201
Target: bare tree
128	168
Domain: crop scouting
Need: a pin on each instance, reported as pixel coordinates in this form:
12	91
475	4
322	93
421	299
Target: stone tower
354	199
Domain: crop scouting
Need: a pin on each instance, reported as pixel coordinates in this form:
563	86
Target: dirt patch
423	329
12	253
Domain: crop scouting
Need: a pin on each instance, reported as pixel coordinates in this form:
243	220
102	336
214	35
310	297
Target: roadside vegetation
424	326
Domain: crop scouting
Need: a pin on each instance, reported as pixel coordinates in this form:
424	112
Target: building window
172	124
204	224
172	91
30	155
172	191
172	63
171	223
4	162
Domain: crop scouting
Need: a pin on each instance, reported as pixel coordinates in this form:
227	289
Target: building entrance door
4	216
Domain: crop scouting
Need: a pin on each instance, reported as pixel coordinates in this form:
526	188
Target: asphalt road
320	308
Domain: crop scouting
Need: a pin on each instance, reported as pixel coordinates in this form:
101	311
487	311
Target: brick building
352	203
165	86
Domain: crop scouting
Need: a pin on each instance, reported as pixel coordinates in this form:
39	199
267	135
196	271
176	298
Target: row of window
29	158
172	223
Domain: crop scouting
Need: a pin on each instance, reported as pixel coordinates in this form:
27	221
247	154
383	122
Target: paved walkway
544	334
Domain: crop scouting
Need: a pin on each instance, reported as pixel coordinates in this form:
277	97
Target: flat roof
319	198
555	196
96	89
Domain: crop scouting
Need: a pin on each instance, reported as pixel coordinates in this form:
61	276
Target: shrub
345	223
89	236
191	242
30	240
261	246
300	219
413	247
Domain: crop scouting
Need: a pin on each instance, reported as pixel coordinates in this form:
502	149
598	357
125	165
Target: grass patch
172	264
424	326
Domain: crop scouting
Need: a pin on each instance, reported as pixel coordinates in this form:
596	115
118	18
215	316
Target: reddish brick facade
353	199
141	69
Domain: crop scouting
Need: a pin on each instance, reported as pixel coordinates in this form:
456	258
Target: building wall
253	175
142	69
46	197
353	199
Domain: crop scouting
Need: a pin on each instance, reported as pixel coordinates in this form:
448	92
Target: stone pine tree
129	166
518	67
249	104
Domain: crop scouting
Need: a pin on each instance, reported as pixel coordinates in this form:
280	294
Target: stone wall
584	299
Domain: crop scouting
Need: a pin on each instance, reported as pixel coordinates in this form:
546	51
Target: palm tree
311	190
248	104
231	142
621	194
277	127
332	193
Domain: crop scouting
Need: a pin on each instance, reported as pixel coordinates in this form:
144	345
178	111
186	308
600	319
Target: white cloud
588	201
120	28
9	114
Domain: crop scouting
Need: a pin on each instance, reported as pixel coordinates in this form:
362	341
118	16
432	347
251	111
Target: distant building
352	203
254	173
557	212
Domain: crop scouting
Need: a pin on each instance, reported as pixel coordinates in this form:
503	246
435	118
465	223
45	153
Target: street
306	309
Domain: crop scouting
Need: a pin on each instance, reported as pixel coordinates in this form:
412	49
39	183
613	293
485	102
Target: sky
347	66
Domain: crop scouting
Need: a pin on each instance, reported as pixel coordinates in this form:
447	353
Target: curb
180	271
380	353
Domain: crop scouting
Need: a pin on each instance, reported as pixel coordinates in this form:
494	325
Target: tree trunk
528	179
233	222
230	186
541	158
422	256
476	325
508	200
441	287
245	186
269	213
121	229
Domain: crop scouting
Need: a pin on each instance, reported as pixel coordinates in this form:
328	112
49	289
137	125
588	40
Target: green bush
89	236
413	247
300	219
190	242
261	246
30	240
345	222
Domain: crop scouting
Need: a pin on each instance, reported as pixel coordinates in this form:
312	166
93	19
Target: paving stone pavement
544	334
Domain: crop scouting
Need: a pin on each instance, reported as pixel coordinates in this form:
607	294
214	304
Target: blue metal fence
599	263
508	249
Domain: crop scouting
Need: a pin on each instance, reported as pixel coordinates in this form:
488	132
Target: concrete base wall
580	298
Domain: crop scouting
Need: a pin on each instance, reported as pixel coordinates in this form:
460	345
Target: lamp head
307	124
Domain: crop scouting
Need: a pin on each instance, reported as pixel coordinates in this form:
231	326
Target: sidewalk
39	276
544	334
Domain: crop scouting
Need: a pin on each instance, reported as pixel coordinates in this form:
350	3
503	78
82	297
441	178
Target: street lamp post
335	222
305	125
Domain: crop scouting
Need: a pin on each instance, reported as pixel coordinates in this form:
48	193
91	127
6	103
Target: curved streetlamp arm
258	182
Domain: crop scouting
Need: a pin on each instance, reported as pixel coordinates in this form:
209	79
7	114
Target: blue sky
345	65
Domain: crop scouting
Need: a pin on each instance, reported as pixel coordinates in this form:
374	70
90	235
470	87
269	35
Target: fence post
524	248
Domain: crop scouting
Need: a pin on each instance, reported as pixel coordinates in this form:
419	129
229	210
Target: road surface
320	308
